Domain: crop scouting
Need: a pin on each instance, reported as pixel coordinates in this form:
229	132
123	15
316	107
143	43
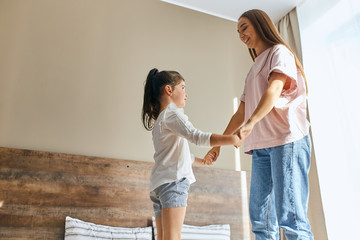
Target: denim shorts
173	194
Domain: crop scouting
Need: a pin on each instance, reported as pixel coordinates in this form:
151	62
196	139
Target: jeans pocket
183	185
181	180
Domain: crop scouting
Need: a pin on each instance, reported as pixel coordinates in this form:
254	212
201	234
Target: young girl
164	99
272	118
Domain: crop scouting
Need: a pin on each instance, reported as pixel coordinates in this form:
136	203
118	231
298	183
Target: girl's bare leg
172	222
159	228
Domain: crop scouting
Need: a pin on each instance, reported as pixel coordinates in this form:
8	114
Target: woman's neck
261	48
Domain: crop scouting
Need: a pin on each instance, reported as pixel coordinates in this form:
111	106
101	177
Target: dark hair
268	32
153	90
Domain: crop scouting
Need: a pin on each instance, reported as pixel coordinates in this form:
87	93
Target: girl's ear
168	90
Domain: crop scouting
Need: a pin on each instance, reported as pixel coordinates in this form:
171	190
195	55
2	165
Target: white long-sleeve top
171	133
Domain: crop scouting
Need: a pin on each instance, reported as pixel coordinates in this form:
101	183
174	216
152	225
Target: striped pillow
76	229
209	232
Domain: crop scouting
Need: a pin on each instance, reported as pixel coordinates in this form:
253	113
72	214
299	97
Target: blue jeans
279	191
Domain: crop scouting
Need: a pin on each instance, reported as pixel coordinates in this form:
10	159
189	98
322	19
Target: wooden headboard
39	189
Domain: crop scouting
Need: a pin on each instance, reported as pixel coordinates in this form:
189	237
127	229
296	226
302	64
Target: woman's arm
235	122
267	102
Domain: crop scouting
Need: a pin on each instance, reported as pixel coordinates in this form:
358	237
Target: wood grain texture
39	189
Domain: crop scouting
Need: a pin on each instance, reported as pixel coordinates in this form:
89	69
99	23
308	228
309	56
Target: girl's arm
178	123
198	161
267	102
221	140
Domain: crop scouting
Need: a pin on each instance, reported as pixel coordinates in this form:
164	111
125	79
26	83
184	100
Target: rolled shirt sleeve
283	61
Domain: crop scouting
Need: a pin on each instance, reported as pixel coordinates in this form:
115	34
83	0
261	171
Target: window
330	38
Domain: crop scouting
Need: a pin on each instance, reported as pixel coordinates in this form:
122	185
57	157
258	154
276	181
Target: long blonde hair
268	32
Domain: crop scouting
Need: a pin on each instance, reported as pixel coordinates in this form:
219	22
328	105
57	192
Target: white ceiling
232	9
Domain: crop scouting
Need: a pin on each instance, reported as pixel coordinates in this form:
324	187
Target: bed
39	189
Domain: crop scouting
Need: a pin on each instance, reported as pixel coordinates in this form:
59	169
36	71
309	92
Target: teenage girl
272	118
164	99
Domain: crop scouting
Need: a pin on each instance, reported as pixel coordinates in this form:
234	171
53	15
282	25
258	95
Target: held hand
245	130
208	159
211	156
238	140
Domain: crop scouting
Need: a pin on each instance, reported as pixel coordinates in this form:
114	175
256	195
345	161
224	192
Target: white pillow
209	232
76	229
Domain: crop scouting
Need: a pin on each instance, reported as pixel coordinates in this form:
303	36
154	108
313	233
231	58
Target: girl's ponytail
153	91
150	103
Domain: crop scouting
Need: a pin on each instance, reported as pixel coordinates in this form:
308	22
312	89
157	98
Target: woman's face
247	33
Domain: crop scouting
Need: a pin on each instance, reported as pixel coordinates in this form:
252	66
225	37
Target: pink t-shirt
286	122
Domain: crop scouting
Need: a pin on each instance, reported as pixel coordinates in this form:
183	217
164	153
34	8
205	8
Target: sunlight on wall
243	179
236	150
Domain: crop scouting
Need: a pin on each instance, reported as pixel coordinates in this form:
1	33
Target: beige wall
72	73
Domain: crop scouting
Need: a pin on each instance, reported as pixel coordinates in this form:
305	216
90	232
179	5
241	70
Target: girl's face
179	95
247	33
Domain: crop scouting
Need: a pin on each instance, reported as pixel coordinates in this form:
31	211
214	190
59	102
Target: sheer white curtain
330	37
